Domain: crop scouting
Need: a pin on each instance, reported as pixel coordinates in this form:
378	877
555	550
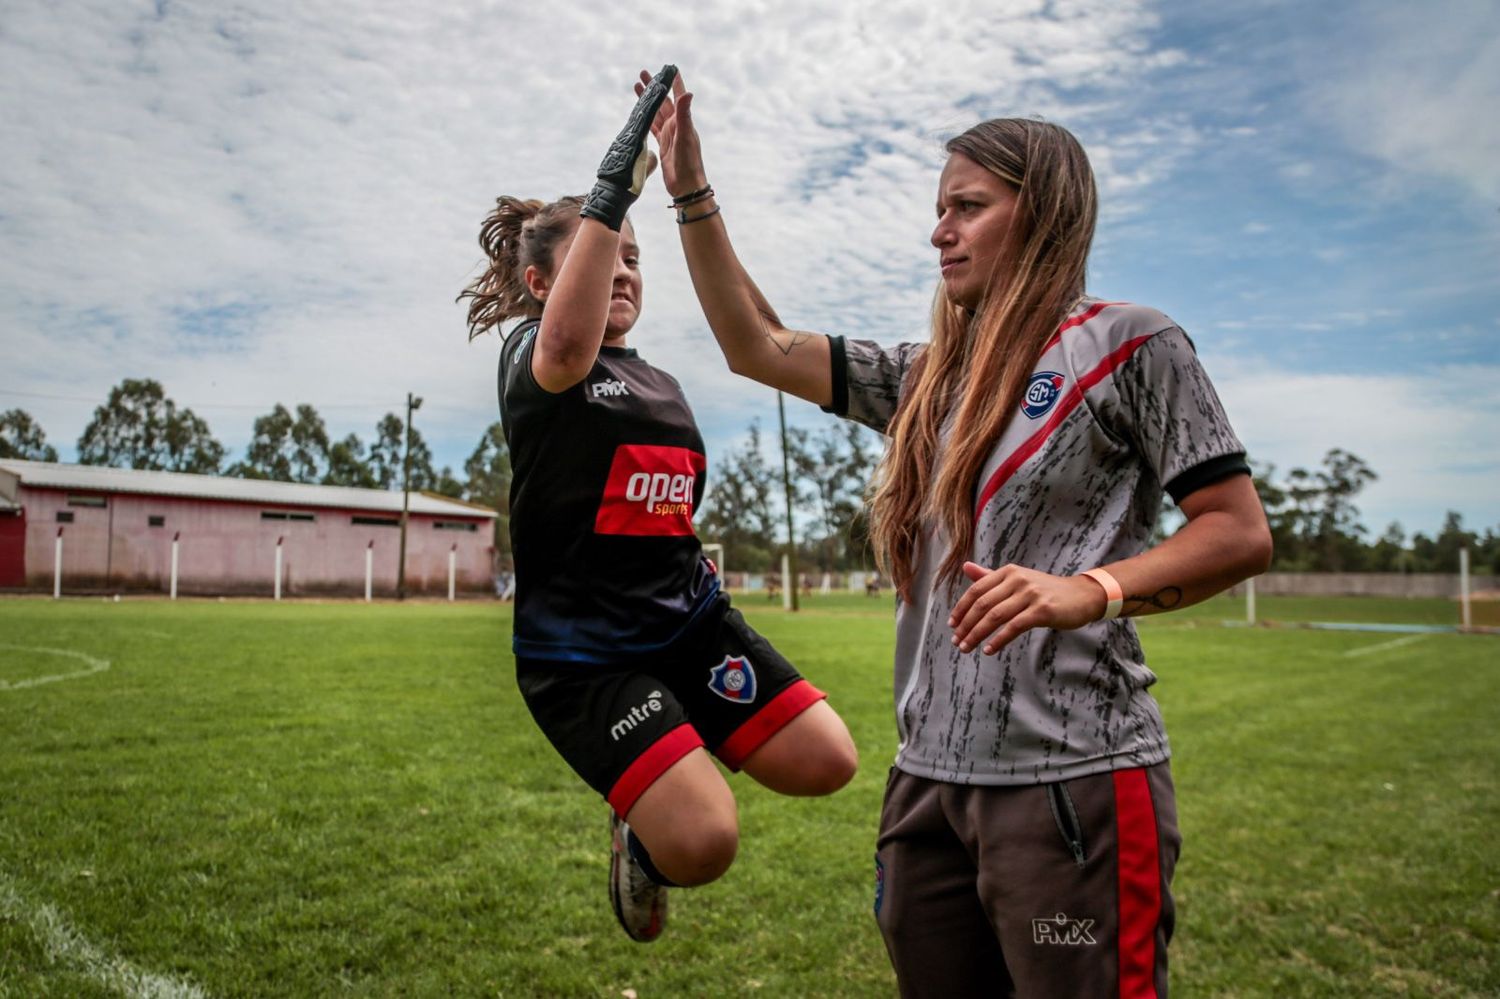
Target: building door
12	548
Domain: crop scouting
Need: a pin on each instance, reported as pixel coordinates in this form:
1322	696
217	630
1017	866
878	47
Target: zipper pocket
1066	817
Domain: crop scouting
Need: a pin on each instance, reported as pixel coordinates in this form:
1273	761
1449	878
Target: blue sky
278	203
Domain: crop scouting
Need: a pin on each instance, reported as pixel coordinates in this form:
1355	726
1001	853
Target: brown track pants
1048	890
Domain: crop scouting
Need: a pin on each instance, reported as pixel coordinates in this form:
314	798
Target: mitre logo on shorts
639	713
1060	930
733	679
649	491
1041	393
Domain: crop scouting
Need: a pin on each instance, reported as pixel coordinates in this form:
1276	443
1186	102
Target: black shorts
622	726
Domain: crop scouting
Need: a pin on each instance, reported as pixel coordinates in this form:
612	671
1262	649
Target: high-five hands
681	156
1002	603
628	163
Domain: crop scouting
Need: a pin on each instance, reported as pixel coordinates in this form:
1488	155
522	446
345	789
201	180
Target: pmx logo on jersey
649	491
1041	393
733	679
1062	931
609	387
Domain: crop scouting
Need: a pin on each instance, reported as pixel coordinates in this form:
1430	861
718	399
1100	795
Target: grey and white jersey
1117	410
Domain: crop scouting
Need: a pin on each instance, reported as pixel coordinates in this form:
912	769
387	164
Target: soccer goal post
716	553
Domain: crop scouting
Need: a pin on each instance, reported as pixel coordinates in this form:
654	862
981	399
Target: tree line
1314	519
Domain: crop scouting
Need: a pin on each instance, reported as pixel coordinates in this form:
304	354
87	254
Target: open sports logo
650	491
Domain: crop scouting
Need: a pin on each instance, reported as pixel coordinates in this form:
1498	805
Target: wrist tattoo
1166	598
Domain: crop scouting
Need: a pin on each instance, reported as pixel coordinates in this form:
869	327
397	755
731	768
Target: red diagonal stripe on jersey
1065	405
1078	320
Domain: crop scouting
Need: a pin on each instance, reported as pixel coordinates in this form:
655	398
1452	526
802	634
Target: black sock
643	861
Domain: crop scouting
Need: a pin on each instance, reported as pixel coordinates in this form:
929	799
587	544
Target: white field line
65	944
1394	643
94	666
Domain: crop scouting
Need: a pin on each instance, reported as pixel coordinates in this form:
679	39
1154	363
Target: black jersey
606	477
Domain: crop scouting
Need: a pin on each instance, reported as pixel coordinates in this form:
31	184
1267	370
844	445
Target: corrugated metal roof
51	475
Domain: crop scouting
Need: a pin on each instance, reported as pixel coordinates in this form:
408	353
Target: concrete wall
230	548
1367	584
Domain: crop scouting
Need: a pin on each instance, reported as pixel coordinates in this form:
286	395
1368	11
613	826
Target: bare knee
820	770
697	853
812	756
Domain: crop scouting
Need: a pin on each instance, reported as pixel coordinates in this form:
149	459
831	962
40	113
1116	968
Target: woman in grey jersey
628	653
1028	834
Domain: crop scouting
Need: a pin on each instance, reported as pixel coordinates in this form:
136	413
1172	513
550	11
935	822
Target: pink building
118	527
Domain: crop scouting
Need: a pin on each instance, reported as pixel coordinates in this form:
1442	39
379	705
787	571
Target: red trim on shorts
1140	883
655	761
766	722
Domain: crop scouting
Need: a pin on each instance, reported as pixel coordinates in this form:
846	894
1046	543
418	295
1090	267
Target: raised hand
628	163
681	156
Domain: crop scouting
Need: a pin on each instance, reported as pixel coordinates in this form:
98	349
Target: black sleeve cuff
1206	474
838	361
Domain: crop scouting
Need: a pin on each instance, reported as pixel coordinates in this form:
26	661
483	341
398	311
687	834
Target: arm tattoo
1165	599
795	337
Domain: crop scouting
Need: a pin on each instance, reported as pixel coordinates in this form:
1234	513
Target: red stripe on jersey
1065	405
655	761
649	491
1140	883
766	722
1078	320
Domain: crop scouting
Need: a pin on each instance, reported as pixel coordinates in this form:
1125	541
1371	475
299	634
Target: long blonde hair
976	366
515	235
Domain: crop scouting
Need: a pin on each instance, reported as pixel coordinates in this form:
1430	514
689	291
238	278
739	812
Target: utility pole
412	402
786	484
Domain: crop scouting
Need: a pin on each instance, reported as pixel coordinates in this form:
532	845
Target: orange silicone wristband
1114	596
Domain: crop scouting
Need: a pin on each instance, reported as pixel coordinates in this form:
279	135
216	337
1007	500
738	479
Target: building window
96	501
455	525
376	521
287	515
65	516
156	521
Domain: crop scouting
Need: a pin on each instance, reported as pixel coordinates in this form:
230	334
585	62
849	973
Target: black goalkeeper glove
627	164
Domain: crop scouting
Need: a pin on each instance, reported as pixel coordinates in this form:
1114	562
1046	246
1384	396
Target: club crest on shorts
1041	393
733	679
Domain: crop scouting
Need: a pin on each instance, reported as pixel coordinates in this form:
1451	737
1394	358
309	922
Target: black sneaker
640	904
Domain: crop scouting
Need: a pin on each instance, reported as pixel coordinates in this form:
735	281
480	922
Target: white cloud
278	203
1430	436
1418	89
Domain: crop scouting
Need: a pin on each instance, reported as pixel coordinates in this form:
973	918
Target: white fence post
1250	600
278	568
1463	585
175	538
369	568
787	582
57	568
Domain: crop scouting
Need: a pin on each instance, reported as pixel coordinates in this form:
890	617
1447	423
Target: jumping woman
628	653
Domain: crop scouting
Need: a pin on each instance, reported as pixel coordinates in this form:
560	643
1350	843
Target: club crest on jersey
1041	393
733	679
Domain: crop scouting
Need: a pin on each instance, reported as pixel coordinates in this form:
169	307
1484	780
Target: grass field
304	799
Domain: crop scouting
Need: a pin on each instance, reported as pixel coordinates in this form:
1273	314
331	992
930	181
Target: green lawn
306	799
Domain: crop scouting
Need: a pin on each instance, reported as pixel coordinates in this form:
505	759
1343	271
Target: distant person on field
628	653
1029	830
